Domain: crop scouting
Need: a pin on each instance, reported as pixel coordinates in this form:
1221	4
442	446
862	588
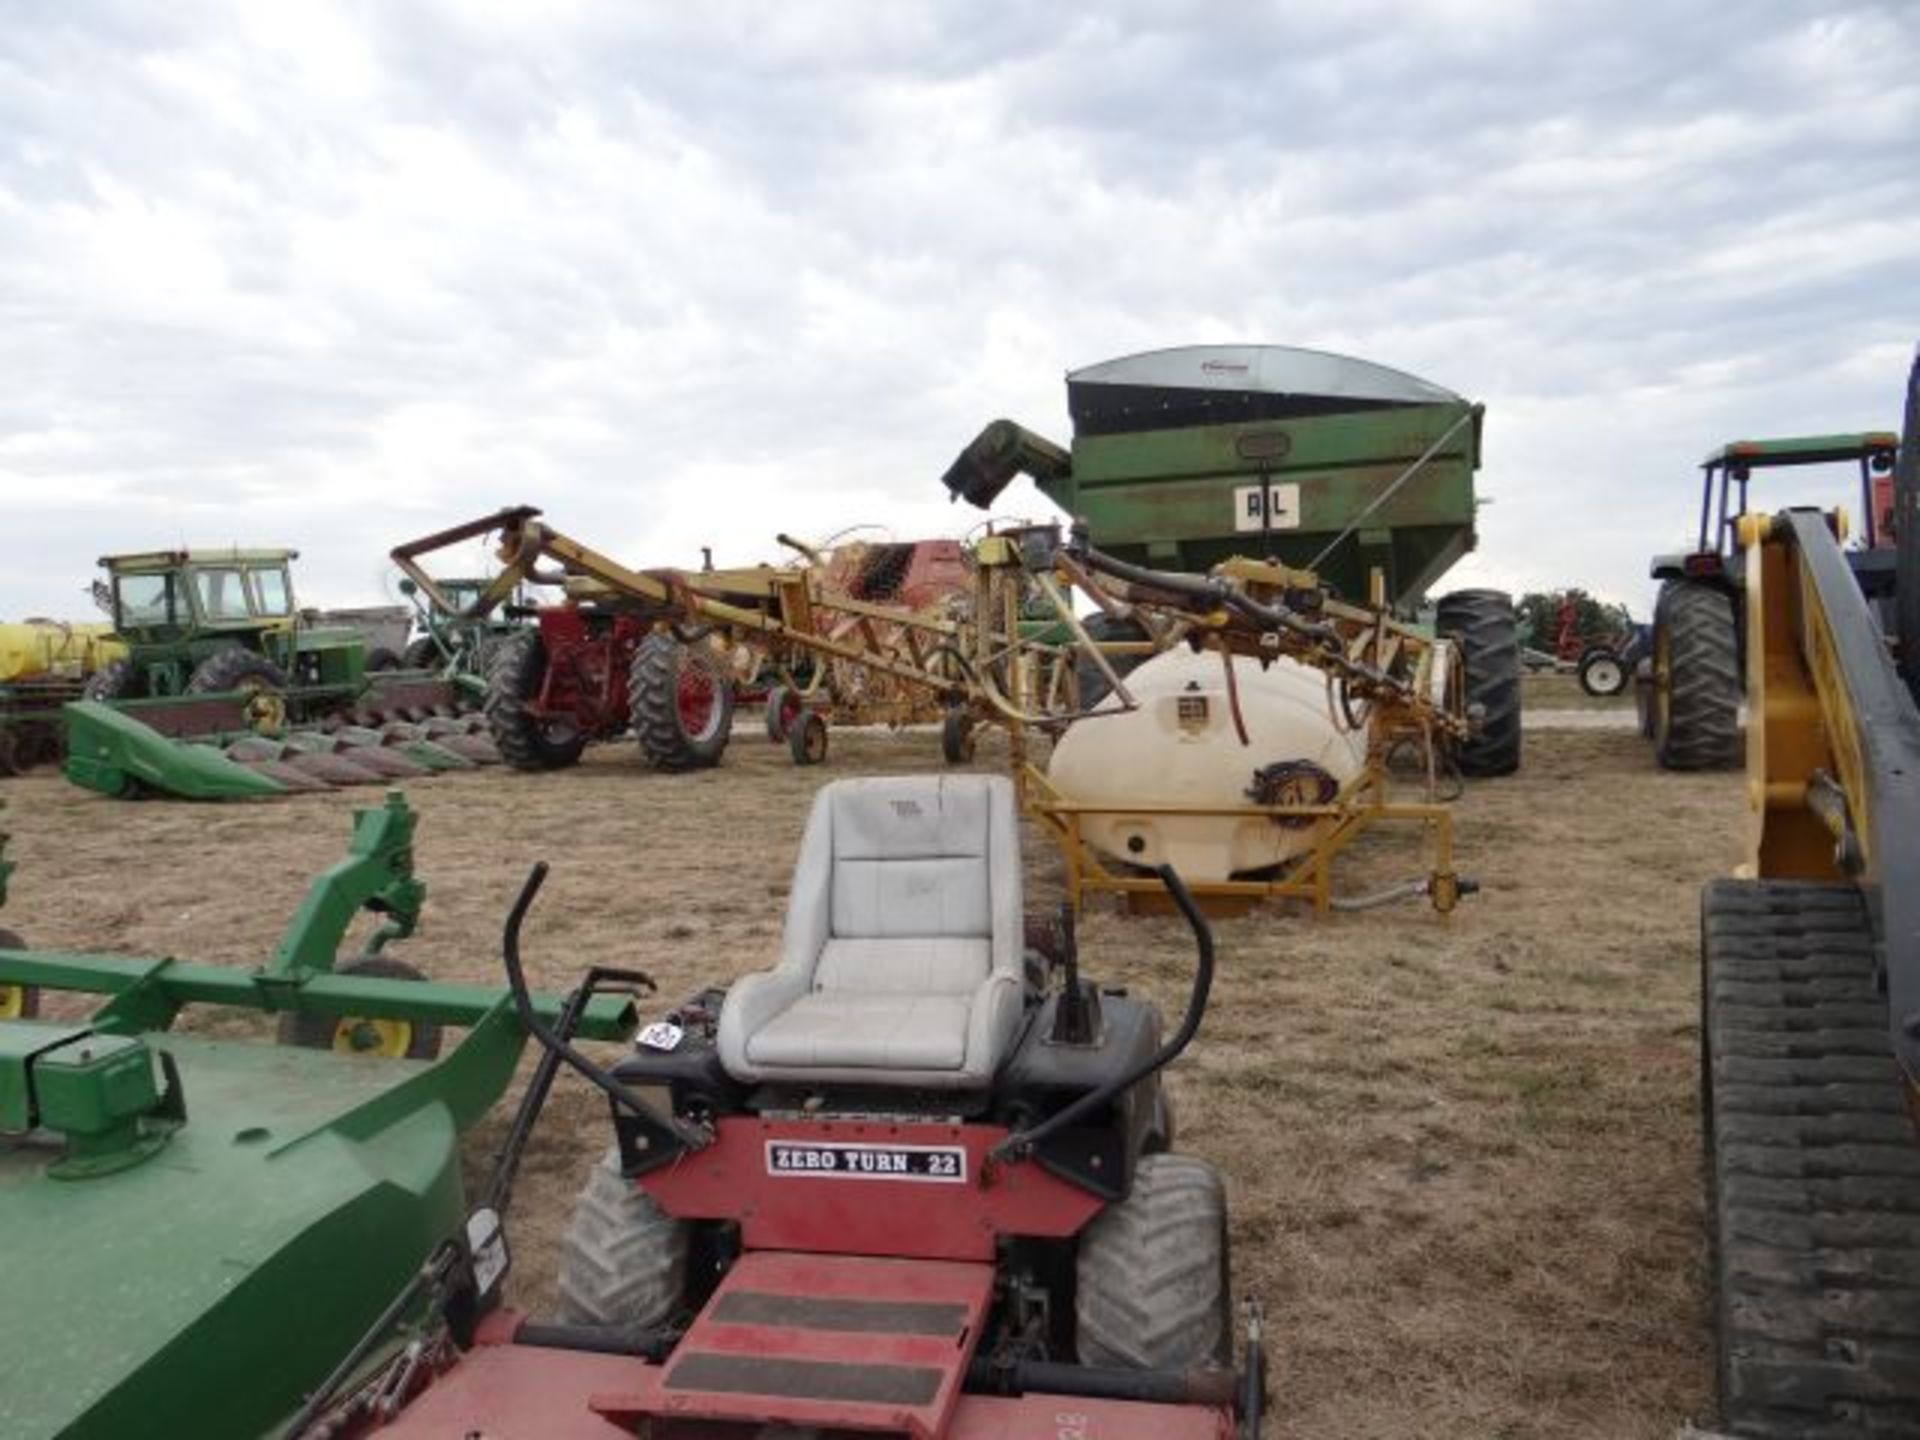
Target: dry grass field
1462	1153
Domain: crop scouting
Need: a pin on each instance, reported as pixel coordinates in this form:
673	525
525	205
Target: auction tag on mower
938	1164
661	1035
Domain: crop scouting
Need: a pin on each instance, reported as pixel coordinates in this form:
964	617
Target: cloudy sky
684	275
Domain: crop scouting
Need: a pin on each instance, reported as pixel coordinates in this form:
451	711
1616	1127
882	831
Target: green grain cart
1364	475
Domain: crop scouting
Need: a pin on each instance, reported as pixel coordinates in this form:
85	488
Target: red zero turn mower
915	1180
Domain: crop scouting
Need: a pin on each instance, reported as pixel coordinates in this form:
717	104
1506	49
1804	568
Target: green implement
202	1225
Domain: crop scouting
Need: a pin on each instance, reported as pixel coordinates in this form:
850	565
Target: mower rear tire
1696	678
1092	683
1482	623
114	680
680	704
525	741
624	1259
358	1035
1152	1291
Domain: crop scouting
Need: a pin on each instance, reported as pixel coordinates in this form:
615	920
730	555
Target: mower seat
901	960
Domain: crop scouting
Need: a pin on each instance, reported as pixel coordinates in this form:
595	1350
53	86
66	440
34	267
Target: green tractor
1689	687
216	622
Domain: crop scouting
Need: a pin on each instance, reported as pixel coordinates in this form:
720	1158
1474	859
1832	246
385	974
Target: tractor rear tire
114	680
232	669
1482	622
624	1259
682	719
1696	721
1091	682
381	658
1152	1289
422	654
17	1002
396	1039
523	740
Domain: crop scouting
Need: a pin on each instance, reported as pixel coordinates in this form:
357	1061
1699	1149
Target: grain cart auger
1811	991
226	691
198	1225
1184	458
1688	688
911	1182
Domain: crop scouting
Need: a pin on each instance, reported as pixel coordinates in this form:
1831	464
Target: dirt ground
1462	1153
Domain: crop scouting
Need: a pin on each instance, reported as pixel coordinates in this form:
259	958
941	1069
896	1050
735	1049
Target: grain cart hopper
1811	989
225	691
199	1225
1689	687
912	1182
1184	458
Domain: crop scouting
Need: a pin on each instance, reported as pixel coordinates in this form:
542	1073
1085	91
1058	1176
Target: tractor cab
177	593
1726	473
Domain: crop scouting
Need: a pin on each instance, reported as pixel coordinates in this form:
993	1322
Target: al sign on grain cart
225	691
198	1226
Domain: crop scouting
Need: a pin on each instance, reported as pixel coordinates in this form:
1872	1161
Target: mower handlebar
1021	1142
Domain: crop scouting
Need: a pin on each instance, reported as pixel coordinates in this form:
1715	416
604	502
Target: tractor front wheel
680	704
1152	1290
624	1259
1482	623
1696	678
527	741
361	1035
237	670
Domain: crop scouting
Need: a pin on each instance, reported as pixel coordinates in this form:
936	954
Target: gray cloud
338	275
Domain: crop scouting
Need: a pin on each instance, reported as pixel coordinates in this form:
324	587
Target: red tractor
915	1180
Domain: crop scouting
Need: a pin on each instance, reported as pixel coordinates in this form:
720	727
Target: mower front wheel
624	1259
362	1035
1152	1291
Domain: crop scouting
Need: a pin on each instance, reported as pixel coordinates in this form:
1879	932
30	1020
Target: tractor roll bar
1020	1144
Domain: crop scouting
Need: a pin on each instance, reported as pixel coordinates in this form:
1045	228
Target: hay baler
198	1225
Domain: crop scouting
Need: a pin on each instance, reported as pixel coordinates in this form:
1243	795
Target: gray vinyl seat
901	962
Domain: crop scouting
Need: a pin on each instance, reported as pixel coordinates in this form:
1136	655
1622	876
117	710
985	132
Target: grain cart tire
1696	679
1603	674
1152	1288
680	703
114	680
1813	1214
238	669
1092	684
1482	622
355	1035
17	1002
956	736
524	740
624	1259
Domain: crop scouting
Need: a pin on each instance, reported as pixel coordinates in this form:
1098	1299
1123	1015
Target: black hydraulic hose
690	1136
1021	1142
1193	587
648	1344
1202	1386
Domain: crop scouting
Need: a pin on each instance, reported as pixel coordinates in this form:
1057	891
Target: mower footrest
829	1341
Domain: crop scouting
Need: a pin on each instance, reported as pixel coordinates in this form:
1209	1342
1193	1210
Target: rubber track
1703	687
1814	1169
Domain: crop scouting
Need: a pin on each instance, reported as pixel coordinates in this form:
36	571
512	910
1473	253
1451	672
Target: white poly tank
1181	748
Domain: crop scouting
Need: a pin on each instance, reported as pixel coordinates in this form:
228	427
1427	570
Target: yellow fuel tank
50	649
